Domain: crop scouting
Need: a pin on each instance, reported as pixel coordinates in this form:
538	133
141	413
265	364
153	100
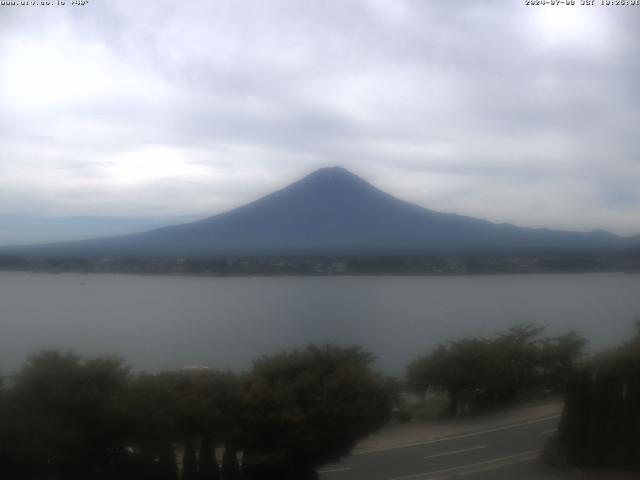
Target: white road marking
335	470
523	456
457	437
456	451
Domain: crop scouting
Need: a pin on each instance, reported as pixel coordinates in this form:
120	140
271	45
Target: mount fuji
333	212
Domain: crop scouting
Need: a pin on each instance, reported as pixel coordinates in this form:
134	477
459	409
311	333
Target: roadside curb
432	432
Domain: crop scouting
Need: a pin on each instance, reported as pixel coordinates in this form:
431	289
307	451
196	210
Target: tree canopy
65	417
481	373
600	424
312	406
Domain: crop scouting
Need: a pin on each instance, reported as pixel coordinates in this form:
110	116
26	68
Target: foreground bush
63	417
600	425
309	408
480	373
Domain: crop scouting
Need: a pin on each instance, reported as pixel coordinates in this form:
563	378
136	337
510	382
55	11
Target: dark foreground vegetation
600	427
478	374
63	417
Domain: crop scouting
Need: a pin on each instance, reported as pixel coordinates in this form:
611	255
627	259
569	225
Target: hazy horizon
160	111
35	230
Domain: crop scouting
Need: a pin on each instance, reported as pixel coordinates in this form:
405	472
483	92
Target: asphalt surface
507	452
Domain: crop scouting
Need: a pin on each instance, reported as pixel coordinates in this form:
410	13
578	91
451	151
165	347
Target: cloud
162	108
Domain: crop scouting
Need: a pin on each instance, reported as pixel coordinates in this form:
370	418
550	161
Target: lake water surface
167	322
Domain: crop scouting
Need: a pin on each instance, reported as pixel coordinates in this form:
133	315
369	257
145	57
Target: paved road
507	452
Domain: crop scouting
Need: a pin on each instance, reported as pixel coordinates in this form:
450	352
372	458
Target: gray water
168	322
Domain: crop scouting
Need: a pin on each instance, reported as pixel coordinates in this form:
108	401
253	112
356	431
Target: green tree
308	408
208	468
153	427
190	462
464	369
483	373
560	355
69	416
521	349
230	467
4	428
600	423
188	408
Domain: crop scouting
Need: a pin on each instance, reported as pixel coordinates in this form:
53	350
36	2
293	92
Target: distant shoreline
319	275
314	266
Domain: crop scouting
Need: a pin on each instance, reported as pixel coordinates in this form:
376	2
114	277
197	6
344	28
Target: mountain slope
333	211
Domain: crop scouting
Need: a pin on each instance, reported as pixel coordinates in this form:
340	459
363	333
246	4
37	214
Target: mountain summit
332	211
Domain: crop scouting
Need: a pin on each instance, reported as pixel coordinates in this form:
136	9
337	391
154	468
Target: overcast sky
154	109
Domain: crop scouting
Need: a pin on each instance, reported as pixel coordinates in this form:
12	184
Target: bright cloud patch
522	115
